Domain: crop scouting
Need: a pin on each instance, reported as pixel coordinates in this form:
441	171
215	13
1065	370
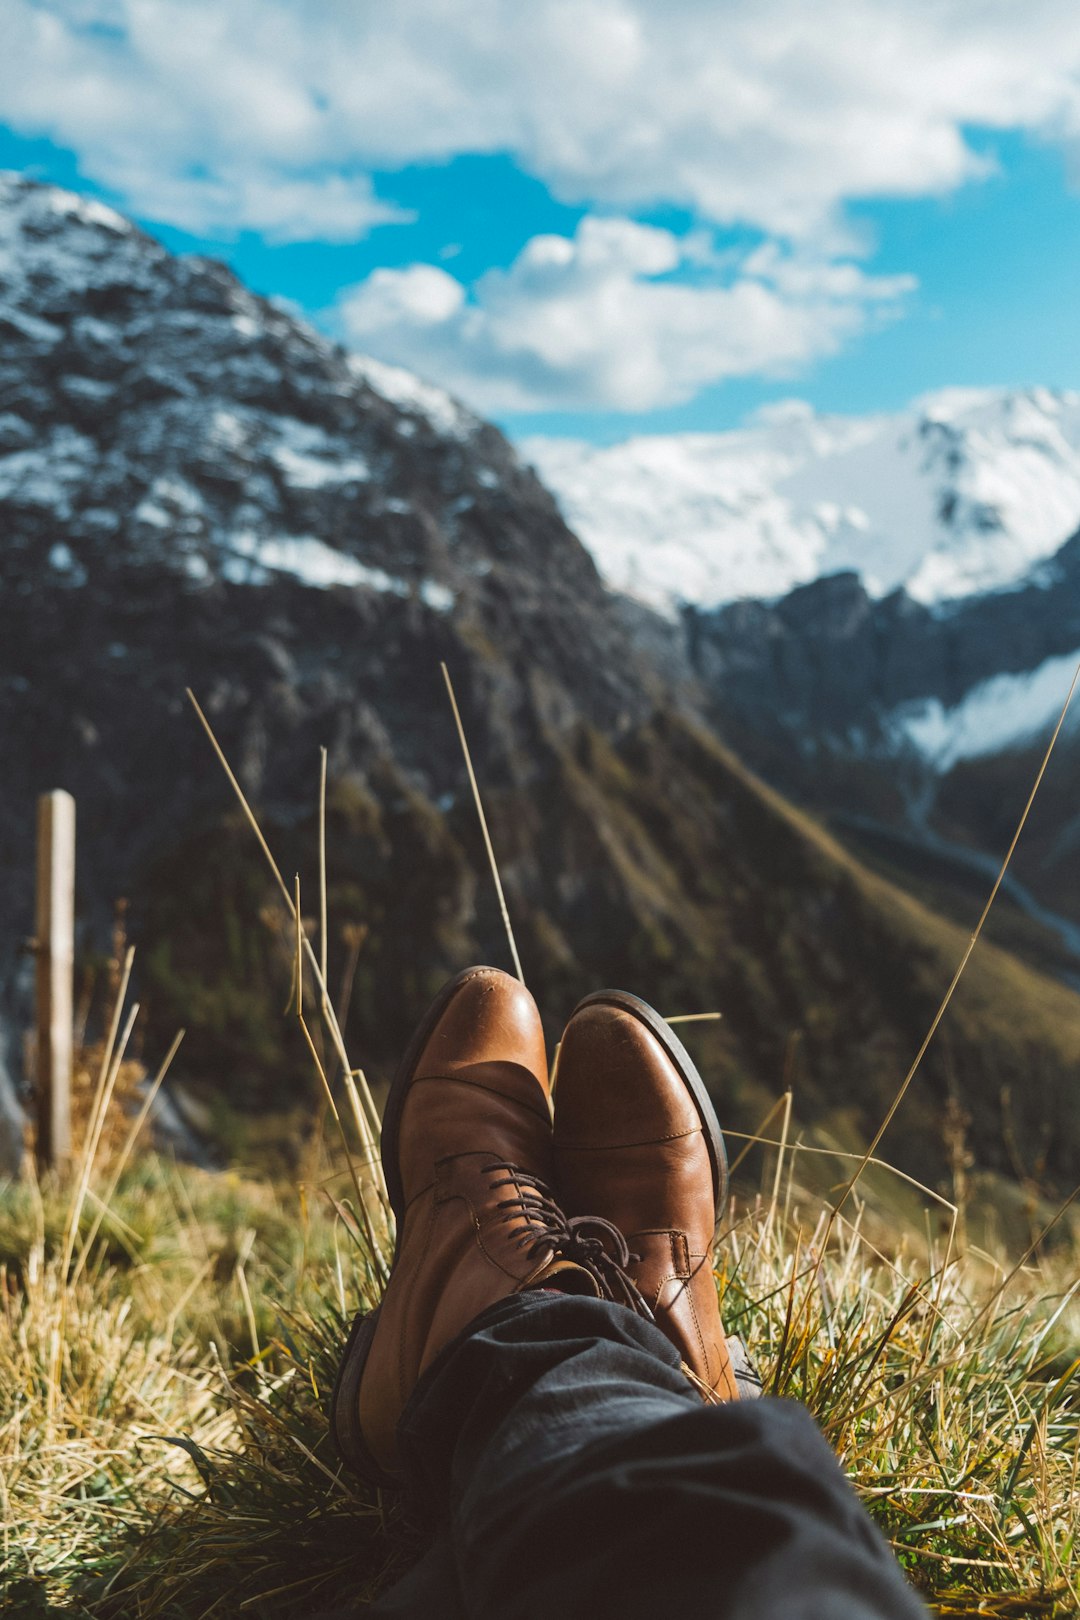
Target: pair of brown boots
471	1156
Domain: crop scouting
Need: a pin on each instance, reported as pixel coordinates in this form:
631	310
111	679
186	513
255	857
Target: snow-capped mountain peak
157	411
962	493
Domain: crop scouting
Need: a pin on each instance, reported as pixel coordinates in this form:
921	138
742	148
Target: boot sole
345	1429
687	1071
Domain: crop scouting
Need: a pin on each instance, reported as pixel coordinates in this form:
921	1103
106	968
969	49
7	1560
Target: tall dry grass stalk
376	1205
966	957
478	802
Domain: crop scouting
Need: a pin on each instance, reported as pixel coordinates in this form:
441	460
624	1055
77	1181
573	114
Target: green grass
163	1439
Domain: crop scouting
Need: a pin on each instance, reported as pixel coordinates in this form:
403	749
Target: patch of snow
239	566
195	565
62	561
88	210
89	329
409	392
100	517
311	561
148	511
251	559
178	493
88	388
46	475
310	460
30	325
15	431
436	596
1006	711
308	472
228	431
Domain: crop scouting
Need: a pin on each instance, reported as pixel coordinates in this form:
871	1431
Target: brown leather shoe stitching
705	1362
614	1147
462	1079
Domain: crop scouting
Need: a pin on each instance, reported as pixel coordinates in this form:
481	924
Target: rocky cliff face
195	488
917	728
198	490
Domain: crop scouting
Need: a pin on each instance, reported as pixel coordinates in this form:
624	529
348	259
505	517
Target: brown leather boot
637	1143
466	1147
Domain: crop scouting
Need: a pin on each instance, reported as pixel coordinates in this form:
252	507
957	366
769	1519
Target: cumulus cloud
280	206
185	120
272	115
601	320
766	112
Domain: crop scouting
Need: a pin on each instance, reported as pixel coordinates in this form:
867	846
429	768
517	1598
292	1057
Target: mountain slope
927	723
196	489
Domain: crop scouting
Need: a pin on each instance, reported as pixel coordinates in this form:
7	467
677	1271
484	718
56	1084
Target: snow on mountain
963	493
155	408
412	393
1004	712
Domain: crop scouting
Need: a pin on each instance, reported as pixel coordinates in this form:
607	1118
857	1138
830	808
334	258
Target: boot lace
588	1241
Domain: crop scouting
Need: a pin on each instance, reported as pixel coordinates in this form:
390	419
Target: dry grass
177	1383
163	1439
947	1386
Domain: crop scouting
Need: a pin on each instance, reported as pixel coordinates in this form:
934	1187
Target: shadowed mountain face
919	730
196	490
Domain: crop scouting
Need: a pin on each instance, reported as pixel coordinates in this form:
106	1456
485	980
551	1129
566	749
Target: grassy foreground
164	1448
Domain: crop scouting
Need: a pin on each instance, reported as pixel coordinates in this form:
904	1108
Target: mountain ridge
963	493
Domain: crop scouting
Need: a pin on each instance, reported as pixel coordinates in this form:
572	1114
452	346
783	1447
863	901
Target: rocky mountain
198	490
918	731
887	612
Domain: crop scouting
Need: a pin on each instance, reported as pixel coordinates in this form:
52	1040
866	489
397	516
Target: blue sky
602	218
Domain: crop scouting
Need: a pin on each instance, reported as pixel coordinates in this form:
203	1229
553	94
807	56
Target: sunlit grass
163	1435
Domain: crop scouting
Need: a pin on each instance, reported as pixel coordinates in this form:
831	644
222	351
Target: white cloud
271	115
586	322
767	112
184	118
280	206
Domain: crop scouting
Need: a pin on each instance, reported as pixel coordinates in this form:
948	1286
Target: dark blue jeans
575	1475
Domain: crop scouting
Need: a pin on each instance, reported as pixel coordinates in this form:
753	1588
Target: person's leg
572	1466
575	1472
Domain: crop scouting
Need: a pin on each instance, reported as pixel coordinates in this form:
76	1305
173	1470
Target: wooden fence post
55	972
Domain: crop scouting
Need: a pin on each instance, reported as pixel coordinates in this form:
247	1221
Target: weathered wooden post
55	972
